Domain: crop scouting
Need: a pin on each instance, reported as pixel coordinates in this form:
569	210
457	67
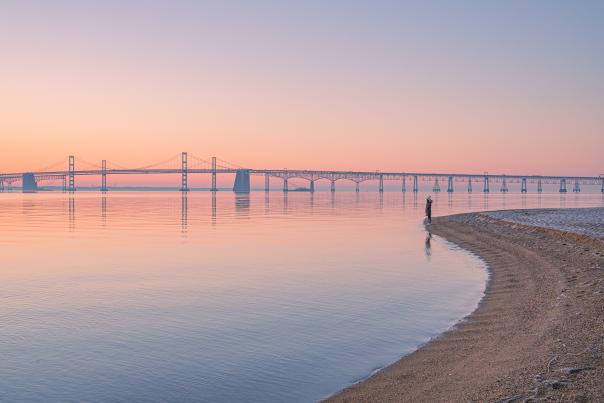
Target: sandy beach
538	333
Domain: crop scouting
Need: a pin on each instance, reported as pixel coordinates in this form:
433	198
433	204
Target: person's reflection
427	246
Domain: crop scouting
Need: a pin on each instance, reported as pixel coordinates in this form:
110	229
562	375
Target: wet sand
537	334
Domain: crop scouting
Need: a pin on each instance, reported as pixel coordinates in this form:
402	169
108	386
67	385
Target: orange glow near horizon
277	96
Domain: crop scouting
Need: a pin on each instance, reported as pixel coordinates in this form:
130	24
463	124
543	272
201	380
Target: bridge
187	164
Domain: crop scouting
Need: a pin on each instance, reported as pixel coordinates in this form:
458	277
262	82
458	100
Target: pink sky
471	89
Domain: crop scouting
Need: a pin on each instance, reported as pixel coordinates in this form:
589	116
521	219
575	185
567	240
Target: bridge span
409	181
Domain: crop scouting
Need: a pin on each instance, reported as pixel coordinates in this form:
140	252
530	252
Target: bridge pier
577	187
450	185
404	187
333	185
485	187
29	184
358	187
381	187
539	186
436	187
1	186
469	184
312	185
214	188
602	189
523	188
104	176
267	183
242	181
415	184
184	173
563	185
71	174
285	185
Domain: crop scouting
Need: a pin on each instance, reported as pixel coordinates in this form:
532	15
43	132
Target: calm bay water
154	297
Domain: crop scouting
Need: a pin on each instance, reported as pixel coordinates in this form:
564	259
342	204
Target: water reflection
285	203
213	208
428	246
184	211
71	208
104	208
242	204
243	308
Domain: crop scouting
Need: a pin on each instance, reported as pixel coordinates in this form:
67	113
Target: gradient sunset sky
441	86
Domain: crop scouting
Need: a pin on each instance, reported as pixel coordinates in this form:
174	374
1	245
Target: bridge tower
104	176
450	185
563	185
523	188
71	172
469	184
415	184
184	173
577	187
381	189
485	188
404	186
214	188
539	186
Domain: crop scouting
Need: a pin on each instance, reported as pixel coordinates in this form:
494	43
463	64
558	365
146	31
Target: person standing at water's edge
429	209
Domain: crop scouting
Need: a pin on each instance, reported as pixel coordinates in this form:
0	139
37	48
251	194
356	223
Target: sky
511	87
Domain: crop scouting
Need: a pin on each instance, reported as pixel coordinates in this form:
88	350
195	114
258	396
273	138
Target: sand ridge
537	334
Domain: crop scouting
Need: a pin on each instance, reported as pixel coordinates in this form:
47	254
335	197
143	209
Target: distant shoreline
537	333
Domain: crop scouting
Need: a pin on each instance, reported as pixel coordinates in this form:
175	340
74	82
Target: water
152	297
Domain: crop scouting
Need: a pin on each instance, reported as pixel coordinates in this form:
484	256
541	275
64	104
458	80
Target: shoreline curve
537	333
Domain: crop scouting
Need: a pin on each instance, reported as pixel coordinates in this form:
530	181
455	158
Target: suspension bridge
185	164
